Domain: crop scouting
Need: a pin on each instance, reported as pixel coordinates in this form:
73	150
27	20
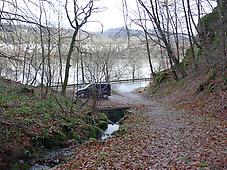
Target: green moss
103	117
50	139
19	166
122	130
103	125
90	131
88	119
76	137
211	74
160	77
208	19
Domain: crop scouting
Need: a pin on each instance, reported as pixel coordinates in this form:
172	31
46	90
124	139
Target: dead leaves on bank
157	139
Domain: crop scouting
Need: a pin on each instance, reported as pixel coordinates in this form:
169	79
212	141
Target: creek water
55	154
52	157
110	130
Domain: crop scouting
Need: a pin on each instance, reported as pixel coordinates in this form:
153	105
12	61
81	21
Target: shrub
208	19
90	131
211	74
103	125
50	139
160	77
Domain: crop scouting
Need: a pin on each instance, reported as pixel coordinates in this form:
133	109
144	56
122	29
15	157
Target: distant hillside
122	32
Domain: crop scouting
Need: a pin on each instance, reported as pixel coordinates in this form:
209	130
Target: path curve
158	137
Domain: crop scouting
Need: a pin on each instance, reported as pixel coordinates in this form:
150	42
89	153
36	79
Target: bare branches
81	13
77	21
9	16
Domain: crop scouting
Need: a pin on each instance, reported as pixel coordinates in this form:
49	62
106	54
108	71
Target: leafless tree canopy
41	41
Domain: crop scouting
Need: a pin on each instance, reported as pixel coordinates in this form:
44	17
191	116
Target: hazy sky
112	17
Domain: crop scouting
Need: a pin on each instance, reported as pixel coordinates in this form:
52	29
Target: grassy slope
29	124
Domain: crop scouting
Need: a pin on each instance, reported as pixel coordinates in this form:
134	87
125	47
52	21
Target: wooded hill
204	89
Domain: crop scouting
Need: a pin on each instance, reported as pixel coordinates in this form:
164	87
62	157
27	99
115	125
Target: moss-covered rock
160	77
122	130
103	125
76	137
90	131
50	139
206	22
103	117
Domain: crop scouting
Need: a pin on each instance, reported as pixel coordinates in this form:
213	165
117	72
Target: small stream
114	115
52	158
55	157
110	130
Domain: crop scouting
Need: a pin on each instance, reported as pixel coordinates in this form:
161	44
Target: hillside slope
204	90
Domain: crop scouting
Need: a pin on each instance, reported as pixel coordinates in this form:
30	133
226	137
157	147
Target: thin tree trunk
82	68
24	64
67	65
187	19
49	62
149	54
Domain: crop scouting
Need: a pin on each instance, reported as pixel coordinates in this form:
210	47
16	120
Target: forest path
156	136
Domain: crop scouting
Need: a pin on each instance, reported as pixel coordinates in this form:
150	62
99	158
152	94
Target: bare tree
143	25
80	17
222	6
154	12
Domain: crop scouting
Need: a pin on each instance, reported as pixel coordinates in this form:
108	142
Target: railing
112	81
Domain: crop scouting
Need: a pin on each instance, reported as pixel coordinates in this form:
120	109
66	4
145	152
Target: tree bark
67	65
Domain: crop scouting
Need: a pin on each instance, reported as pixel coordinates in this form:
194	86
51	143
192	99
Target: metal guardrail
112	81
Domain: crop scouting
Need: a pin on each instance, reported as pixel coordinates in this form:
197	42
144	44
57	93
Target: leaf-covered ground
154	137
30	125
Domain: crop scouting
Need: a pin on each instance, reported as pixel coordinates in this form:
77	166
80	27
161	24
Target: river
120	69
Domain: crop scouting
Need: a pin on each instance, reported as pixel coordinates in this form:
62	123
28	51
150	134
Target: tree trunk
67	65
149	54
82	68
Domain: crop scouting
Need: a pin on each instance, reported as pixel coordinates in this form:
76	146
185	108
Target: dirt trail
158	137
132	98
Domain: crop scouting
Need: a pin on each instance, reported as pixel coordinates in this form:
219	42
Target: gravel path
158	137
